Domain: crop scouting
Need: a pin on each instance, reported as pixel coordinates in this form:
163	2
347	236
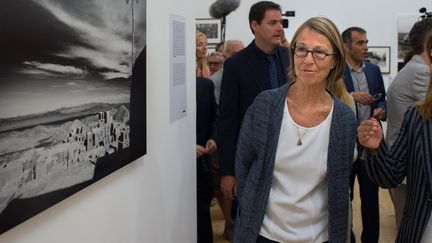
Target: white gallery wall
378	18
153	198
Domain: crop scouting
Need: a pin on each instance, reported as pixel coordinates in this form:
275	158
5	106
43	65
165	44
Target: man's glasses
317	54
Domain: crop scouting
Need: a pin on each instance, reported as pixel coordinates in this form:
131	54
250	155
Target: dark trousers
262	239
369	204
234	208
204	198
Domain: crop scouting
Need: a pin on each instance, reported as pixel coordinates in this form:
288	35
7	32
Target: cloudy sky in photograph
58	53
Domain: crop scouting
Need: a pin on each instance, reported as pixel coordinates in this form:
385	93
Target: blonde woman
295	149
202	69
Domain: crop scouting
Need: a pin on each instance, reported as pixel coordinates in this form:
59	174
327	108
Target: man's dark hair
258	10
346	35
419	34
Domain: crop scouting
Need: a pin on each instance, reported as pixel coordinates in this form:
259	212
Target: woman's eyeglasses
317	54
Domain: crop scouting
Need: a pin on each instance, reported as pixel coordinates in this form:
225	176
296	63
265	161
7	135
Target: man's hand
228	187
378	113
363	98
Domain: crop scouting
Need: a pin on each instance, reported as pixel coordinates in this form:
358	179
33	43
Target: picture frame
211	48
380	55
211	28
69	118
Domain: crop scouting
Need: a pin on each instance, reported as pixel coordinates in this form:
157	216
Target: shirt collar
361	69
262	54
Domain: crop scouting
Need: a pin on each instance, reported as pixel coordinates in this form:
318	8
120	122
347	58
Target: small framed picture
380	55
211	48
211	28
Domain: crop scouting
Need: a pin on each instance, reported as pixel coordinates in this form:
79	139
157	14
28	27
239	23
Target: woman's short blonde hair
327	28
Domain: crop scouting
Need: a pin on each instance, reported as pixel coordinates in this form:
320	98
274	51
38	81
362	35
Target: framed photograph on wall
211	28
72	101
211	48
380	55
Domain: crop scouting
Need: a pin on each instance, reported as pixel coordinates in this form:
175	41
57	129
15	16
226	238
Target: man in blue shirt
364	81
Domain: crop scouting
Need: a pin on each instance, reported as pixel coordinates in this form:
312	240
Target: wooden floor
387	219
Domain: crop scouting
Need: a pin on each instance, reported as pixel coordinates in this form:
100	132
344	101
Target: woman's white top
427	234
297	208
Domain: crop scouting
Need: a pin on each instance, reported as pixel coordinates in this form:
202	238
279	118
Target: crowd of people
285	127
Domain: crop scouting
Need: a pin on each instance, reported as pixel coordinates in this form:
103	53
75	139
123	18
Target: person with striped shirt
410	156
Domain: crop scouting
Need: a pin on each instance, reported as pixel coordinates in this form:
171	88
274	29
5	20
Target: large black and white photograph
72	98
380	55
211	28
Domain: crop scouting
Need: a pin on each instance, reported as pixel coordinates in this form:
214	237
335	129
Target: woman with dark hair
410	156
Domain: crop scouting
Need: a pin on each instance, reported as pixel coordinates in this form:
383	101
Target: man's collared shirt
280	72
360	85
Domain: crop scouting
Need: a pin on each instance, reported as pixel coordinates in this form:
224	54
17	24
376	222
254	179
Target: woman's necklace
300	136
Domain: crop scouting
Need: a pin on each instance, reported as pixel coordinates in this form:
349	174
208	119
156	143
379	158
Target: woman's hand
370	133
